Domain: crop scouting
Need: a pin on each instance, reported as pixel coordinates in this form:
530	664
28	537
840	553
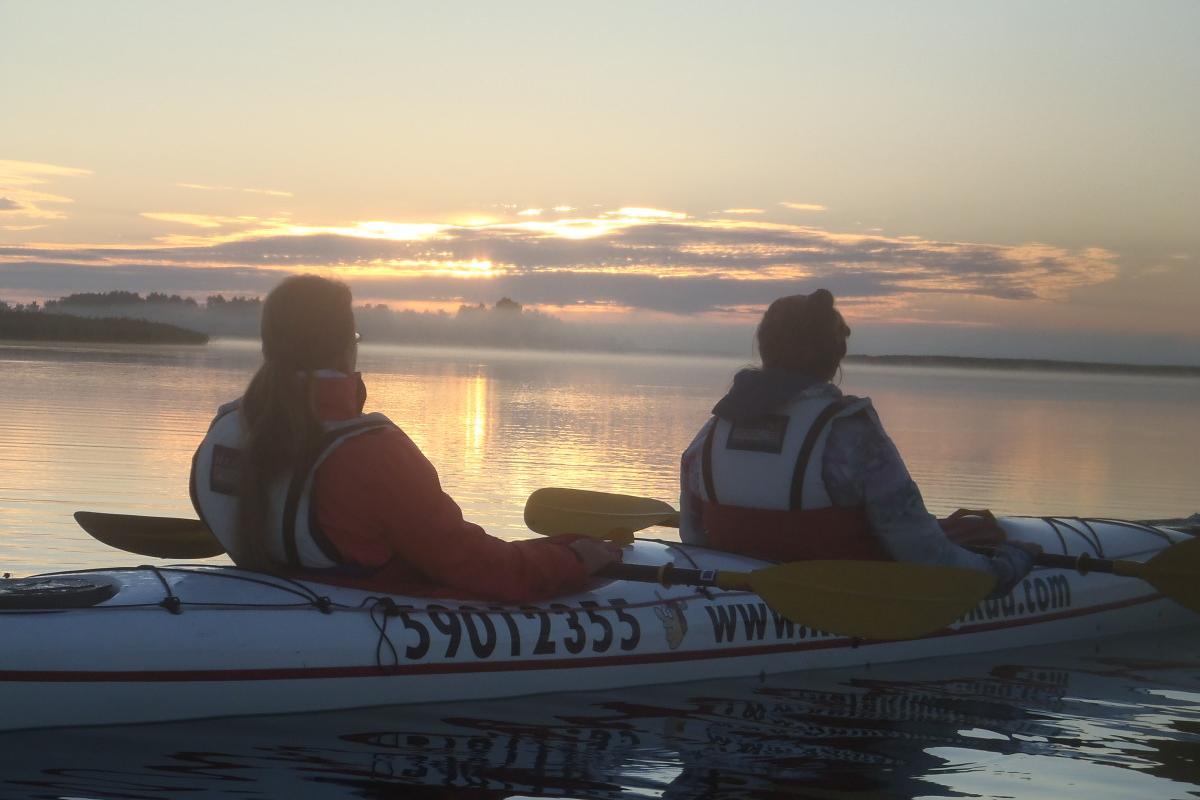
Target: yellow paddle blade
601	515
161	537
871	599
1175	573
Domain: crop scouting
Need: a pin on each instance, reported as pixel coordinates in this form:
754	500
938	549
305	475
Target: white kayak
185	642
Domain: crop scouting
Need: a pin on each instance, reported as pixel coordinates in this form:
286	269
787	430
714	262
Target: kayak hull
192	642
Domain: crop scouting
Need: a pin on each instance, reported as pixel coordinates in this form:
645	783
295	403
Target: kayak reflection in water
789	468
295	479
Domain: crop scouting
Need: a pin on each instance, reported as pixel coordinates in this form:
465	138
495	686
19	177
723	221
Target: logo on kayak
670	613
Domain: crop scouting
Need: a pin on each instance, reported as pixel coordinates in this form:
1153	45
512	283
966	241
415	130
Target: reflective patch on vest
226	472
764	434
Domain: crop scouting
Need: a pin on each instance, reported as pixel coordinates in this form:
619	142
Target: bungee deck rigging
179	642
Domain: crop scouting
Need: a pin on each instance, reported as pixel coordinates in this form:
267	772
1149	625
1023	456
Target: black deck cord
320	602
171	602
1061	521
1093	533
387	608
1089	534
1054	527
1137	526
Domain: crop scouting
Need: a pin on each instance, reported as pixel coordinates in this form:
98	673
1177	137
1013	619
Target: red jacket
380	503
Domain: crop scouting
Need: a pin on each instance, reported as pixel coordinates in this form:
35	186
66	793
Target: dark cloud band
674	266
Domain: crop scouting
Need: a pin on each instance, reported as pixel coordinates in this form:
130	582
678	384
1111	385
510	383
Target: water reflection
476	418
112	428
1122	720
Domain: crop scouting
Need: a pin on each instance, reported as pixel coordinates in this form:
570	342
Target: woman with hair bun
294	479
790	469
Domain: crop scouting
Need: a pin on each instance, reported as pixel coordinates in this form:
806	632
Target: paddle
600	515
1174	572
161	537
870	600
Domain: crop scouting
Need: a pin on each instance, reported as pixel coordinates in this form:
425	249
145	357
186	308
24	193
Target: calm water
113	429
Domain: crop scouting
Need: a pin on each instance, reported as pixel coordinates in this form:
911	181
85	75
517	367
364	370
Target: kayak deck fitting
199	641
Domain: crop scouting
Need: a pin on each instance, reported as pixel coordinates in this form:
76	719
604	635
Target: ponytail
307	324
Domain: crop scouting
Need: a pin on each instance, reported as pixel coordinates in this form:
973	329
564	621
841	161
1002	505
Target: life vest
764	494
294	536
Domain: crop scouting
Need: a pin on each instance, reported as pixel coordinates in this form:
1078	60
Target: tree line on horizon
30	322
120	297
505	323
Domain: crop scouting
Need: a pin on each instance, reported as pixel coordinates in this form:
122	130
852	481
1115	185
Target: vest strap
706	463
810	442
300	480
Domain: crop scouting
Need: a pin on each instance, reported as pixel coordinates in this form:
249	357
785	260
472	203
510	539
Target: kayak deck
199	641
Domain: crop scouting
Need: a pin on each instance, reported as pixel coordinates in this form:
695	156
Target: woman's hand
1012	562
595	554
1034	550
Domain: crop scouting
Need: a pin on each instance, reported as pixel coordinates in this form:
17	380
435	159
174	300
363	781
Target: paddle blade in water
160	537
871	599
1175	572
553	511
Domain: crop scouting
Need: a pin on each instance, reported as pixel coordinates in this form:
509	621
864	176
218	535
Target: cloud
805	206
660	261
198	220
647	213
530	212
206	188
20	198
30	173
743	211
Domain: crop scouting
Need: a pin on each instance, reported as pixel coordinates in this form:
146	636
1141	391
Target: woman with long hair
788	468
295	479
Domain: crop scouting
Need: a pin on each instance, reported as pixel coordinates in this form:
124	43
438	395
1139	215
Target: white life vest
774	462
294	537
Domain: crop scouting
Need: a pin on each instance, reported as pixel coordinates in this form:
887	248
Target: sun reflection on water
114	429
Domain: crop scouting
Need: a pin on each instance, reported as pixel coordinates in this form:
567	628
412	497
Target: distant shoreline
506	324
69	328
39	326
1037	364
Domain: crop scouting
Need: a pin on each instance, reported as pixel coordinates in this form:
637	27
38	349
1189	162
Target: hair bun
821	299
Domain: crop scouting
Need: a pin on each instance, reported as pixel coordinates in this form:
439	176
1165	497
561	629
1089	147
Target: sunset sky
1007	178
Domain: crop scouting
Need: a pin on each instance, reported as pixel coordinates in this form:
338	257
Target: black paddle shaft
670	575
665	574
1082	563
